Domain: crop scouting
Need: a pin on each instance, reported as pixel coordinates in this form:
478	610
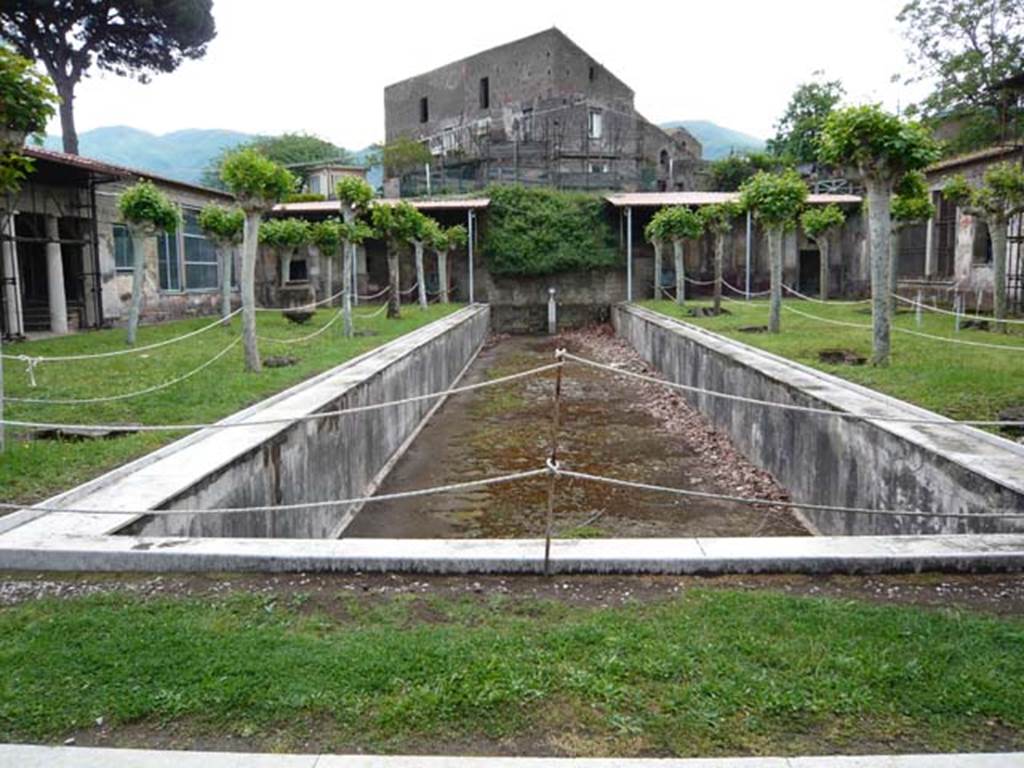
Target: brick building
539	110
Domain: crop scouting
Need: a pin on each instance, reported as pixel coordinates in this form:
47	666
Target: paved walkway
27	756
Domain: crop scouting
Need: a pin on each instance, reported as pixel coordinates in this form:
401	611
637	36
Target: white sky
321	67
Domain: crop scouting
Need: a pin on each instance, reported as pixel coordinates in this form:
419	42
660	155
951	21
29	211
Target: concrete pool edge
705	556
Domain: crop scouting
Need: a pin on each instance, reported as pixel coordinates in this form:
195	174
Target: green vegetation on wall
543	231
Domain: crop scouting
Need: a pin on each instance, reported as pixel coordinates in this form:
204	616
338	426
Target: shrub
144	205
543	231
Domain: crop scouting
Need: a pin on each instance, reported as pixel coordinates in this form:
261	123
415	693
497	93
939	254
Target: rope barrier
741	292
370	315
981	318
376	295
909	332
698	282
497	480
786	406
283	419
410	289
121	352
128	395
307	337
805	297
300	307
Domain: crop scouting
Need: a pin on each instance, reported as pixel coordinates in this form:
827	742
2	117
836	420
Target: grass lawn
959	381
704	672
33	469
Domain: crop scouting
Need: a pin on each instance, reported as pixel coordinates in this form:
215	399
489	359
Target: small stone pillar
55	277
552	313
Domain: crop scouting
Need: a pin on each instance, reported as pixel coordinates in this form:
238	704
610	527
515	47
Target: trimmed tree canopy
285	233
326	236
677	223
27	99
354	192
143	205
456	237
222	224
356	232
257	182
718	218
543	231
912	203
877	143
775	199
1001	194
820	220
399	223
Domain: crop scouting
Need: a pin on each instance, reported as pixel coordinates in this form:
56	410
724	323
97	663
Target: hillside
718	140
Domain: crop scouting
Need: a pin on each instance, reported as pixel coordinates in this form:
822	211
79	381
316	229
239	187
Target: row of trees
258	184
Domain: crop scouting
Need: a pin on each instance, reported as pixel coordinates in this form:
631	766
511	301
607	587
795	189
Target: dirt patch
280	361
753	329
841	357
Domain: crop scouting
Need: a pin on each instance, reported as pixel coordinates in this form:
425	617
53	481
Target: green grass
959	381
33	469
709	672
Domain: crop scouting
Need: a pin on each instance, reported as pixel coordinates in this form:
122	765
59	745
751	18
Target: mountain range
184	154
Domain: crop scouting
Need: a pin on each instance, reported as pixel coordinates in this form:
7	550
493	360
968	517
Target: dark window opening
297	271
592	74
485	93
424	110
981	248
663	158
945	237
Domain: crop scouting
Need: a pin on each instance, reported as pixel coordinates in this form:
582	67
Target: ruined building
539	110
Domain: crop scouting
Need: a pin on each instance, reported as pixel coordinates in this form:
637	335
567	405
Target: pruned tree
27	101
447	241
354	197
719	220
134	38
325	236
397	225
224	226
883	148
654	233
147	211
427	230
353	234
678	224
910	205
821	224
287	149
775	199
286	236
257	183
996	202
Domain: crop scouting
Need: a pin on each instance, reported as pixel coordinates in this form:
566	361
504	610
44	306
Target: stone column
929	249
12	280
55	277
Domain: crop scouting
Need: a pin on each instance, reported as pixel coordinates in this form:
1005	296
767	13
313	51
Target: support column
629	254
55	277
929	249
12	280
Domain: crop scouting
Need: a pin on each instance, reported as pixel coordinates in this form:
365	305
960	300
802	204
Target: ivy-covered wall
543	231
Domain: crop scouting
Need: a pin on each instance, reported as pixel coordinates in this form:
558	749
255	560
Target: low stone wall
833	461
284	462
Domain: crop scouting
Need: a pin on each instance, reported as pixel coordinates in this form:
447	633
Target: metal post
629	254
957	307
919	308
426	167
552	313
469	222
748	254
553	463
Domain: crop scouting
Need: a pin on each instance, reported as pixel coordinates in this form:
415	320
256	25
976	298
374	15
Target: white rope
510	478
374	295
805	297
128	395
284	419
897	329
30	367
559	471
307	337
698	282
410	289
741	292
786	406
121	352
370	315
981	318
300	307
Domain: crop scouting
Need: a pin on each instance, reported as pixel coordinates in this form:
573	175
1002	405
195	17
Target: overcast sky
321	67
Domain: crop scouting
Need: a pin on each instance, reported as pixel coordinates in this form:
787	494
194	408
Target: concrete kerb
31	756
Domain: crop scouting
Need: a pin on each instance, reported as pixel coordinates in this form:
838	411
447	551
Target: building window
313	184
298	271
485	93
167	262
599	167
201	270
591	74
526	124
124	251
595	124
424	110
981	248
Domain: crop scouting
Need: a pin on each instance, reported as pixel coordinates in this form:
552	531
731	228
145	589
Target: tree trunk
66	90
775	271
719	261
421	280
328	260
250	243
677	254
346	288
226	257
894	280
879	194
442	275
394	310
657	269
997	231
139	238
824	246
